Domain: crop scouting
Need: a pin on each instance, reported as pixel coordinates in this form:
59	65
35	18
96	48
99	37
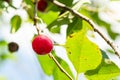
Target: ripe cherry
42	45
42	5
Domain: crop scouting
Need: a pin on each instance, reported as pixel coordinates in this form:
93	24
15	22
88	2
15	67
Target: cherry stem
35	16
59	66
93	25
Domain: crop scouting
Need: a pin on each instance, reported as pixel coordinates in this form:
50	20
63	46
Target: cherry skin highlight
42	5
42	44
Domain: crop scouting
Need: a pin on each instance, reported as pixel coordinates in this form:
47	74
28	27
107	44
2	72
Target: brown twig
89	21
50	55
59	66
35	16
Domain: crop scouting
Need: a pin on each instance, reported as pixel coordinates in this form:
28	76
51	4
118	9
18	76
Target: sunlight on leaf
104	71
48	17
84	54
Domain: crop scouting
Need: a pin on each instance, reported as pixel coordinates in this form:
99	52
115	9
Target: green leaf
55	29
105	71
29	2
30	13
47	64
104	55
66	2
50	68
48	17
58	75
51	7
75	26
86	26
2	5
3	47
56	25
84	54
15	23
3	43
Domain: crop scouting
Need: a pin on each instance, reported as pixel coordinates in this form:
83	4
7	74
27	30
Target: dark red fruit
13	47
7	1
42	5
41	44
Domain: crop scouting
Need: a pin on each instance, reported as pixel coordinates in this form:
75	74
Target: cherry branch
50	55
89	21
35	16
59	66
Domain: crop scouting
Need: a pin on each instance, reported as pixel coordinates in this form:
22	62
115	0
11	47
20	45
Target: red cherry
42	44
42	5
